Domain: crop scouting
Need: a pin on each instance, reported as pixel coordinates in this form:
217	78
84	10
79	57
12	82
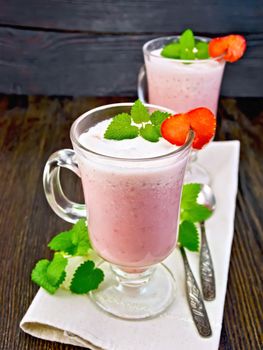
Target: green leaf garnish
202	50
187	40
50	274
191	213
189	195
86	278
73	242
157	117
196	213
190	209
172	50
139	113
186	48
120	128
122	118
150	133
188	236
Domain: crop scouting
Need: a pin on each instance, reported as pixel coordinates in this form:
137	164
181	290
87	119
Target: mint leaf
120	128
139	113
39	276
171	50
202	50
150	133
73	242
189	195
195	213
187	40
157	117
188	236
122	118
56	269
118	132
86	278
50	274
80	237
62	242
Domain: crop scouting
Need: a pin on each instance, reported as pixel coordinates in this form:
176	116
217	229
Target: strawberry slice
203	122
231	46
175	129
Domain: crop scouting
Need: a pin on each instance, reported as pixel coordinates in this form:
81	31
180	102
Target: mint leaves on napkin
73	243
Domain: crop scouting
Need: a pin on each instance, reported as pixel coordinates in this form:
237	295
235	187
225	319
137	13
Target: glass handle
142	89
62	206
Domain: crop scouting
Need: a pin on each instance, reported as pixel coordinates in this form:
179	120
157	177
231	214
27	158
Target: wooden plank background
67	47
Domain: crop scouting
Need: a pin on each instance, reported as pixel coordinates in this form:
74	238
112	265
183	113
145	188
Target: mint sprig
190	213
73	242
147	125
50	275
186	48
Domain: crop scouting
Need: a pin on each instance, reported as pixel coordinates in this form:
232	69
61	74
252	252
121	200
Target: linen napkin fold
74	319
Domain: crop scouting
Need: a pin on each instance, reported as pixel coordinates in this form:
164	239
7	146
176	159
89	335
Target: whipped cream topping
135	148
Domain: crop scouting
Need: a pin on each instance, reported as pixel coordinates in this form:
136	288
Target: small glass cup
181	85
132	209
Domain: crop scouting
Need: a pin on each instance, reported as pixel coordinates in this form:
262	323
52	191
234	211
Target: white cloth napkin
74	319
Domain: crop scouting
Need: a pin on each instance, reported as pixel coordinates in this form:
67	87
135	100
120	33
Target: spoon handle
195	300
206	268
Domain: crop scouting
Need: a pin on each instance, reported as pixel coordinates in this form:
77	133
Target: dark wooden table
31	128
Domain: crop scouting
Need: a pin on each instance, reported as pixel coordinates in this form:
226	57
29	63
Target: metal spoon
206	197
195	300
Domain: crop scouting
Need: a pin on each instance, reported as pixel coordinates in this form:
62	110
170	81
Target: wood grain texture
79	64
136	16
31	129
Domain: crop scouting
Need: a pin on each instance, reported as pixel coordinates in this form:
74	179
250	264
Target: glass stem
132	277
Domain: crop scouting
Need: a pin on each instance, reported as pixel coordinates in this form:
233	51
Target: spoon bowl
207	198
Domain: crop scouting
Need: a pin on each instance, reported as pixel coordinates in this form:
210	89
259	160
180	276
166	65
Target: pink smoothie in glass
133	206
183	86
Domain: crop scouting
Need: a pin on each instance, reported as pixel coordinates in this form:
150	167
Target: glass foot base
197	174
135	295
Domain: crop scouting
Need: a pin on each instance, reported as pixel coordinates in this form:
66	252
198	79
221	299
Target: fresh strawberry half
176	128
231	46
201	120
